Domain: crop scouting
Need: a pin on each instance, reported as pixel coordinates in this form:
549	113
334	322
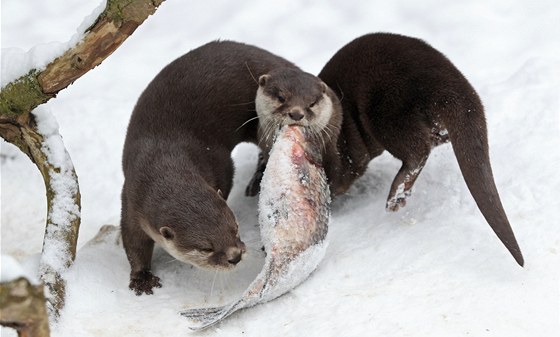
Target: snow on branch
63	207
113	26
37	134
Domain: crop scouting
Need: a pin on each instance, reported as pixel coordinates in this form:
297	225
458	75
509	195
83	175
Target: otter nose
235	259
296	115
234	254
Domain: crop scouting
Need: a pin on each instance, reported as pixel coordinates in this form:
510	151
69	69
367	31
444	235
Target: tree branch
19	127
22	307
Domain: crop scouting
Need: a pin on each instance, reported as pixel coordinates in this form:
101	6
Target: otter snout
234	254
296	114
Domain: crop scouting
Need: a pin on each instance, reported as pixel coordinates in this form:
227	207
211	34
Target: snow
16	62
434	268
12	269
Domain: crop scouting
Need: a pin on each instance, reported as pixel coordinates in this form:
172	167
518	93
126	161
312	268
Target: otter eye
312	104
281	98
207	250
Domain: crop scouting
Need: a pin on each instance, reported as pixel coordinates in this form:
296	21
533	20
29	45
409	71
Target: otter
177	157
401	95
287	96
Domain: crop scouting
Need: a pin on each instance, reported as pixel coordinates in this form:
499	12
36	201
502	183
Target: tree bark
18	126
22	307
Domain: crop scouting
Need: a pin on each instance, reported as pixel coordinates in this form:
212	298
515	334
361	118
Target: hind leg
409	139
401	188
413	163
414	159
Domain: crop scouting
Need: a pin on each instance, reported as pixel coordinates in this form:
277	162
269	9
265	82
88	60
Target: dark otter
288	96
401	95
177	158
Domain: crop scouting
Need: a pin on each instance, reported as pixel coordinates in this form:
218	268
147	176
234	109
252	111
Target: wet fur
401	95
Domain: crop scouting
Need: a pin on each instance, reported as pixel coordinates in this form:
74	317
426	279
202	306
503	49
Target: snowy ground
432	269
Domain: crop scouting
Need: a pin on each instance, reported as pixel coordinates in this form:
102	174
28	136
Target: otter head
201	230
289	96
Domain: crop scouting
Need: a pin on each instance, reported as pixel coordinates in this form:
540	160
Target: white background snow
433	269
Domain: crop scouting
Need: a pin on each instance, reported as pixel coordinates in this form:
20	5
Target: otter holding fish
177	154
293	216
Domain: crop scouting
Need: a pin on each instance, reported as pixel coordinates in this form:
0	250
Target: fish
294	212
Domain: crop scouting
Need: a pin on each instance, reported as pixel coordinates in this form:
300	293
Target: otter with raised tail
401	95
177	155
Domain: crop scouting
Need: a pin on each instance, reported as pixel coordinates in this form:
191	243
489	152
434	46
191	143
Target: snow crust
434	268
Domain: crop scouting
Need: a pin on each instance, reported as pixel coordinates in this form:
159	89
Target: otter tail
468	135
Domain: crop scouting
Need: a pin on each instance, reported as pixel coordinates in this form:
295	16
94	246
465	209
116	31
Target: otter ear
324	87
263	79
167	233
219	191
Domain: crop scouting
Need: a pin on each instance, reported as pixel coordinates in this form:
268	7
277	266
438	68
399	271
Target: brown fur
177	158
399	94
288	96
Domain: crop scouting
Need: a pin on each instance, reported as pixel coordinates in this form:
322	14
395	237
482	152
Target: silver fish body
294	210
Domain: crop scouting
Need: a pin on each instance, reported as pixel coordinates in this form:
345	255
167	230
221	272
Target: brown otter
401	95
177	158
286	96
177	155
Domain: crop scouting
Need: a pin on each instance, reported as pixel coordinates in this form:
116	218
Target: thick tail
468	135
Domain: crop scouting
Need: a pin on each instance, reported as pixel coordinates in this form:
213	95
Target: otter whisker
170	261
213	281
269	130
239	104
249	120
341	92
317	134
251	73
330	133
264	127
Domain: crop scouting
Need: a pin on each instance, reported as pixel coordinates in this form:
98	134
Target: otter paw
254	185
143	282
394	204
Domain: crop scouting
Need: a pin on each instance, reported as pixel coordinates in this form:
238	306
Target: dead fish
294	210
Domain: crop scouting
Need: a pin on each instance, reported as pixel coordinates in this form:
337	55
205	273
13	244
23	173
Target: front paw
254	185
143	282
